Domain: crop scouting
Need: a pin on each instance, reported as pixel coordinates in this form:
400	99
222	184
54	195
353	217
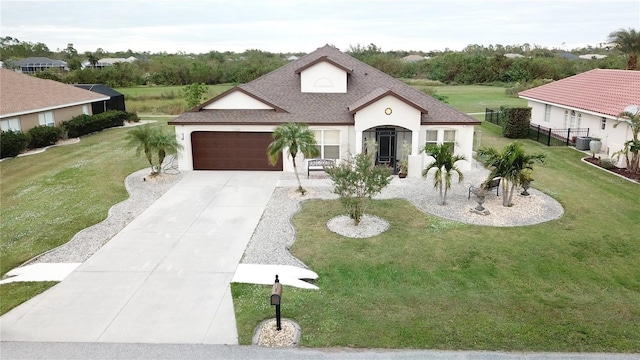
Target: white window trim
440	138
547	113
10	124
321	143
47	118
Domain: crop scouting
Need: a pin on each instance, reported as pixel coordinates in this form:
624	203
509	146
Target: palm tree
164	143
631	116
628	42
508	165
292	138
445	165
140	138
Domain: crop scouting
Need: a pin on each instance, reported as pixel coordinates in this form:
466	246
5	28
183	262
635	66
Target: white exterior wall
463	145
185	157
238	100
613	139
402	115
323	78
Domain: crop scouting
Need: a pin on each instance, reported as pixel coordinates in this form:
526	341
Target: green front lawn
48	197
568	285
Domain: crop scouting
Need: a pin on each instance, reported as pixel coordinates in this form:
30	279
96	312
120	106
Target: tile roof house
27	101
592	100
343	100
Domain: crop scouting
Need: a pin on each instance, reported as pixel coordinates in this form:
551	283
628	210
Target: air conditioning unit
582	142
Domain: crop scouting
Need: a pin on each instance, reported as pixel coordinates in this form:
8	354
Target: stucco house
27	101
343	100
592	99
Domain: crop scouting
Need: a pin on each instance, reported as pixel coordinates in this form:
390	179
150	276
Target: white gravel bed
143	191
369	226
275	234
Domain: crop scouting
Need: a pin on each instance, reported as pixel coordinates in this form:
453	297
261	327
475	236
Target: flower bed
620	171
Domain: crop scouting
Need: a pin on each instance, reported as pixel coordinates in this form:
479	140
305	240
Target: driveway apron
165	277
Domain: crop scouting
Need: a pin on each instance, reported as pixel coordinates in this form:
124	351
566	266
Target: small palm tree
292	138
628	42
631	116
140	138
445	165
508	165
164	143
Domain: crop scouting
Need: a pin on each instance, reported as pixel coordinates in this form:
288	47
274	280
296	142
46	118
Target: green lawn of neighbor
168	100
570	285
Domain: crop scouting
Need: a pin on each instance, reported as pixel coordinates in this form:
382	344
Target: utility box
582	142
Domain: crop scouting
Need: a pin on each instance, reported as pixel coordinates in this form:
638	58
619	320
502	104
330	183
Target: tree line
476	64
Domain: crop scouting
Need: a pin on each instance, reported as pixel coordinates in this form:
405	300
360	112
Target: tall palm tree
628	42
509	165
445	165
164	143
631	116
292	138
140	138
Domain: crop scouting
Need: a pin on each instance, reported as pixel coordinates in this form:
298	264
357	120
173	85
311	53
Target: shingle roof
281	87
601	91
23	94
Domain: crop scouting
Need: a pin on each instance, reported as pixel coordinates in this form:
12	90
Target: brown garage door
213	150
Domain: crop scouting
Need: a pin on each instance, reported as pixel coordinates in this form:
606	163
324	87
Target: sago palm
292	138
445	165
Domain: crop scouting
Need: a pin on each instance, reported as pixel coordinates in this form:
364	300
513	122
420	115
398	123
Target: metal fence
492	116
556	137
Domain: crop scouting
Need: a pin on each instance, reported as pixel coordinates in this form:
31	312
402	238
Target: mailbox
276	293
276	297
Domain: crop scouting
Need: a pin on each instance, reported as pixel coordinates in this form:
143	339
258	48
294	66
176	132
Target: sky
289	26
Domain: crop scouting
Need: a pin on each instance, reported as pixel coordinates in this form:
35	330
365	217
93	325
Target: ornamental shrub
87	124
12	143
41	136
515	122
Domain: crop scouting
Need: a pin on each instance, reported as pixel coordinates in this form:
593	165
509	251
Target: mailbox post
276	297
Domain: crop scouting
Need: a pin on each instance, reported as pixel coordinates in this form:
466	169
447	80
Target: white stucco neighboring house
343	100
592	100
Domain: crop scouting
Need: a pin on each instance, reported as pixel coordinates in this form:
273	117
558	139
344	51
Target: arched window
572	123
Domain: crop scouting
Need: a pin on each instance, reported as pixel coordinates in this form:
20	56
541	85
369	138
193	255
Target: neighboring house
568	56
102	63
592	99
513	56
27	102
413	58
32	65
344	101
592	56
115	102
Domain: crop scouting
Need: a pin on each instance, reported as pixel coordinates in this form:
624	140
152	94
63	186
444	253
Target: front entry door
386	139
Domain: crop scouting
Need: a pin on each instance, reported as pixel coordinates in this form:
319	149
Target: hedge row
12	143
87	124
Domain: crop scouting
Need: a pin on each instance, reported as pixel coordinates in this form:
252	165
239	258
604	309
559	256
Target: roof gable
601	91
325	59
23	94
282	88
378	94
210	105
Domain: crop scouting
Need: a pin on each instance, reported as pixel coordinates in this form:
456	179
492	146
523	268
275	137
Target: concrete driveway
165	277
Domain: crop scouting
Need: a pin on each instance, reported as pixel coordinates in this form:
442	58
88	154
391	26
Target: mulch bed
617	170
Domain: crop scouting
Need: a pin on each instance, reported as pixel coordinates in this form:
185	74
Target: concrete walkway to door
164	278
